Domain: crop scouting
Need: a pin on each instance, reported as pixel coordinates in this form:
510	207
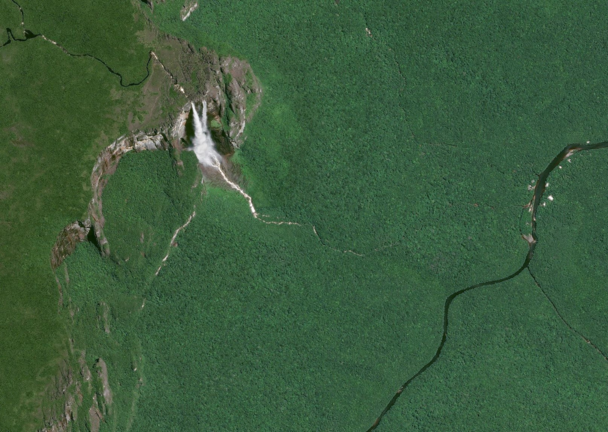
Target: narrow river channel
539	191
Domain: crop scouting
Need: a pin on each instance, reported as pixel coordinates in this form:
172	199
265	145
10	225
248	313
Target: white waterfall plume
212	162
208	156
204	149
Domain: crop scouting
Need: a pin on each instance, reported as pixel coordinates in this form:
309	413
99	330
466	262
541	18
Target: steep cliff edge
228	84
232	94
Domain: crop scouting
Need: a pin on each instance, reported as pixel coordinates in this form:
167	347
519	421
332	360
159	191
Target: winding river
539	191
31	35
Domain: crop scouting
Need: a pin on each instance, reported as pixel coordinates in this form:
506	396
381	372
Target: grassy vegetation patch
56	113
111	31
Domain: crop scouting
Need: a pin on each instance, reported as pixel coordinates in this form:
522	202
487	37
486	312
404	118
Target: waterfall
203	146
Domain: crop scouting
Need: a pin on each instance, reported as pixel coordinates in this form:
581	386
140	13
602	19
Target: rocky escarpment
228	84
106	164
237	94
233	94
70	385
67	241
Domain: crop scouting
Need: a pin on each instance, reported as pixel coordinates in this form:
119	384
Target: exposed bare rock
95	415
231	89
529	238
67	240
69	387
102	372
85	373
189	7
105	310
63	388
106	164
233	94
241	96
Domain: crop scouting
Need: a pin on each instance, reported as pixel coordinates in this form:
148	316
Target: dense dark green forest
570	262
510	364
400	136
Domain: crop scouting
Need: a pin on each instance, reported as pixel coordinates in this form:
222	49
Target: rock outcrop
228	84
233	94
105	166
189	7
67	240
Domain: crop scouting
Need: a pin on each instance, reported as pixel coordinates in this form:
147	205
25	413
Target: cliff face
67	241
71	384
228	84
233	94
236	95
106	164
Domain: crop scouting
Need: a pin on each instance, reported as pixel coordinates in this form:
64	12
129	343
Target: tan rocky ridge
233	94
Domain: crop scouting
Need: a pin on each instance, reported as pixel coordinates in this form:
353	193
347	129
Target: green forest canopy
407	133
